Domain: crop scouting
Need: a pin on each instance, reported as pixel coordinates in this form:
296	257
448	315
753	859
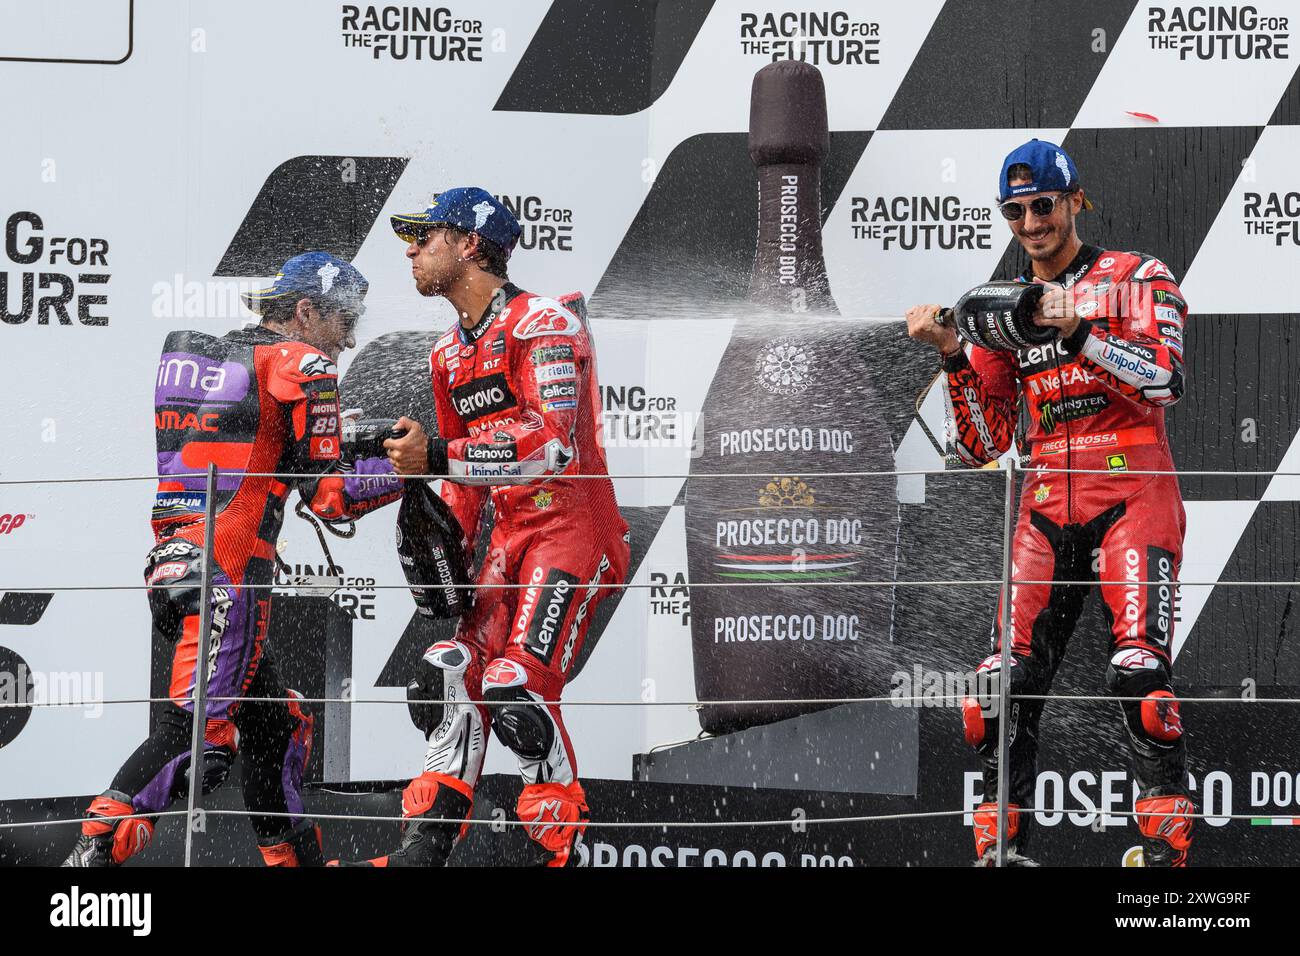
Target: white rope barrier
899	702
533	479
498	824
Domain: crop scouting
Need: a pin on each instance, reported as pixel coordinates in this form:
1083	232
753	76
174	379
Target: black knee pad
173	733
174	573
521	725
216	768
1153	719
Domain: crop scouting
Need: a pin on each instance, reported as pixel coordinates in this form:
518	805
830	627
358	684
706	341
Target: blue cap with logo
468	208
318	276
1051	170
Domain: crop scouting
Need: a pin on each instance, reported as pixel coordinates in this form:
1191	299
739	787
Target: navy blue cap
318	276
1051	168
468	208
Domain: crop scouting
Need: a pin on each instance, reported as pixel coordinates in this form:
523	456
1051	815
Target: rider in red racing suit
516	398
1094	400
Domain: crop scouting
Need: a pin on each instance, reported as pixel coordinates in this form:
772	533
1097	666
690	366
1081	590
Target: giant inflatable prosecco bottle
790	401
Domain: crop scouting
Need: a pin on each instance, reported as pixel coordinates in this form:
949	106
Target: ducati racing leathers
517	398
1092	401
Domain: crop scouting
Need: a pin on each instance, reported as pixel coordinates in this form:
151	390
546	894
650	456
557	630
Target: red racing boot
1167	832
986	836
300	848
431	803
106	840
555	817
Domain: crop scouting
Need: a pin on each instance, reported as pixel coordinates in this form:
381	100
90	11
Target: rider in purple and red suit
258	400
515	386
1094	399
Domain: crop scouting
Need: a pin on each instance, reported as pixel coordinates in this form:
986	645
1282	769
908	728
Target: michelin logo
1064	166
328	273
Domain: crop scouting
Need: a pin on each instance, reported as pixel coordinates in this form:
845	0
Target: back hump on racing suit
250	402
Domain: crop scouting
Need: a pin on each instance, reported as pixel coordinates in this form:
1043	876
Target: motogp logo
11	523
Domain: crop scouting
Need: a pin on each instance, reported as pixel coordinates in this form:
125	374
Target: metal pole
201	662
1004	669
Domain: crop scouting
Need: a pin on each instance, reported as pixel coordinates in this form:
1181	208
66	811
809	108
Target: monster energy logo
1049	413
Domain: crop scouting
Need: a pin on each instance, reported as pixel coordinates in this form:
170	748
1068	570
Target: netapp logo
1218	32
909	223
483	396
544	228
416	33
1273	214
823	38
45	294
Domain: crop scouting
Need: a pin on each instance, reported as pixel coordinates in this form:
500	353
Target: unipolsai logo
544	228
1220	32
819	37
1273	216
785	366
412	33
66	282
910	223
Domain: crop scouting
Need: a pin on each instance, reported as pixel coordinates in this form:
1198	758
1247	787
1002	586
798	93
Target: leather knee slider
1137	672
521	724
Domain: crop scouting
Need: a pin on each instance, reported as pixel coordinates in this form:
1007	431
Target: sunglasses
1041	206
422	234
